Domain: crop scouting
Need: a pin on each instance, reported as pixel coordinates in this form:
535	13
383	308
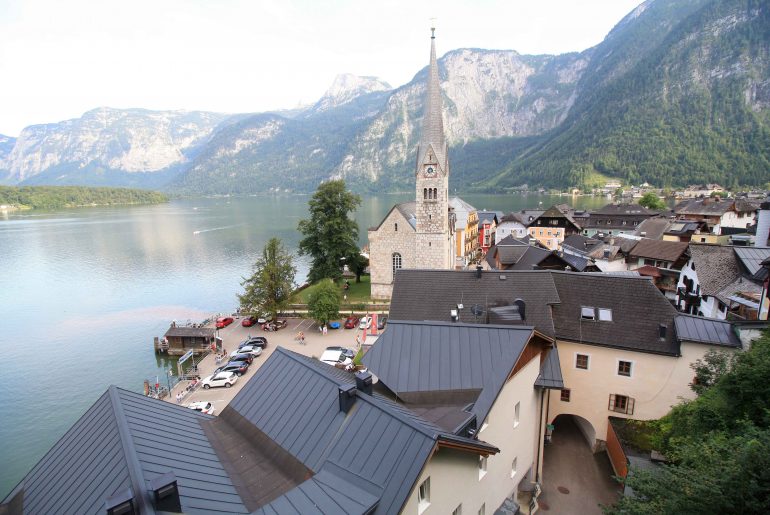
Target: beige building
471	239
419	234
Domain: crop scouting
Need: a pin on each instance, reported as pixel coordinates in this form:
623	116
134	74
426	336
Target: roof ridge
462	324
135	474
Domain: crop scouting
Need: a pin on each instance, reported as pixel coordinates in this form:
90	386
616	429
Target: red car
224	322
249	321
351	322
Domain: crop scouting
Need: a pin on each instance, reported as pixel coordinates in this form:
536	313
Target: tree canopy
271	284
330	234
651	201
323	304
718	445
57	197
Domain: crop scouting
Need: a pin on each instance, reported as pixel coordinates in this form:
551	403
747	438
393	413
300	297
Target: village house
720	281
515	224
623	348
471	245
513	254
723	216
607	256
615	219
659	260
487	227
464	213
182	338
552	227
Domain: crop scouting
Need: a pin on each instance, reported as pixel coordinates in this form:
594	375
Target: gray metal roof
294	400
190	331
550	371
697	329
752	257
124	441
419	357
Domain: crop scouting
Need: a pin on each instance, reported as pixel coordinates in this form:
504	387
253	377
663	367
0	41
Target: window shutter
630	407
611	405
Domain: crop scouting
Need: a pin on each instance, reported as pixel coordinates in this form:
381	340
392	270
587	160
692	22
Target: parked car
247	349
203	407
365	323
226	379
249	321
338	355
258	341
265	319
239	367
351	322
381	321
239	356
274	326
223	322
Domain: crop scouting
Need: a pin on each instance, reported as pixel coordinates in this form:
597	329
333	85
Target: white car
338	356
365	323
226	379
203	407
247	349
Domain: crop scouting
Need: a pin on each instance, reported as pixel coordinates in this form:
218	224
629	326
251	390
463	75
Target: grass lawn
359	293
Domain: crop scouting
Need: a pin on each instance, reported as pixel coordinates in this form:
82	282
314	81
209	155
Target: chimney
122	503
522	307
662	331
347	395
364	382
478	271
165	494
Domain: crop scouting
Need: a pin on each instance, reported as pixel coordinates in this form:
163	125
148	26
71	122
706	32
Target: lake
84	291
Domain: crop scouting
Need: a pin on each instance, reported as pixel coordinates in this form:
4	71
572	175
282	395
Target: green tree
709	369
270	286
651	201
330	234
357	264
323	304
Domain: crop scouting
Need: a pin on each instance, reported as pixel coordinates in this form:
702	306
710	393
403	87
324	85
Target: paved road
575	481
315	343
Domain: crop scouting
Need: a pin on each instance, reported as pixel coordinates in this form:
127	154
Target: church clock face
430	171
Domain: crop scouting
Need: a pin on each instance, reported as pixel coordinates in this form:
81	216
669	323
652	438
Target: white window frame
584	314
574	361
617	367
483	462
423	501
516	414
605	311
514	466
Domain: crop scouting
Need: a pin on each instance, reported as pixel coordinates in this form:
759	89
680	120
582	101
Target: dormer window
587	313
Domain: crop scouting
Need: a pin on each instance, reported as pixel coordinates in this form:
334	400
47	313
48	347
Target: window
565	393
554	222
483	509
581	361
423	496
435	193
692	265
513	466
621	404
396	227
458	510
624	368
587	313
482	466
396	263
605	315
516	413
425	193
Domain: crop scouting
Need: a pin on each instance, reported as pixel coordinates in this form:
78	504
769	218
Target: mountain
678	93
107	146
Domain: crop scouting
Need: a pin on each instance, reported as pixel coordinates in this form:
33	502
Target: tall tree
330	234
323	304
269	288
651	201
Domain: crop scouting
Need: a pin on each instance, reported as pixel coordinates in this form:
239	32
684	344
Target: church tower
433	225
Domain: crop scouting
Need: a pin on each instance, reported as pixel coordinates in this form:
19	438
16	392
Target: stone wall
383	243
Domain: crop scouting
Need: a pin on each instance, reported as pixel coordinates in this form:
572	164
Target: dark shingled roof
704	207
431	294
190	331
553	301
711	331
421	357
659	249
716	267
623	209
124	441
294	400
653	228
576	262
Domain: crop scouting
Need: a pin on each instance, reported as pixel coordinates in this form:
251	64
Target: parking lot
315	343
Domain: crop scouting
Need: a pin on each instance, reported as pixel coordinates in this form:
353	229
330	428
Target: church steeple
432	122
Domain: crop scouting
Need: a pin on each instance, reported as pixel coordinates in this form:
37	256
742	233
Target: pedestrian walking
324	330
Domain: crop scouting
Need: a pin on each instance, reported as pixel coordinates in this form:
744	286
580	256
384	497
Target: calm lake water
83	292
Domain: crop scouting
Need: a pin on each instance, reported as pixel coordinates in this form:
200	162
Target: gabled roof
555	212
407	210
124	441
624	210
752	257
550	371
524	217
715	265
553	302
414	358
704	207
576	262
379	446
487	217
652	228
580	243
711	331
662	250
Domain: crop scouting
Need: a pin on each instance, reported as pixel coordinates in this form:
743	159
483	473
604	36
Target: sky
59	59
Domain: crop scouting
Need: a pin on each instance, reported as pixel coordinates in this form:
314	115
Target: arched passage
569	423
